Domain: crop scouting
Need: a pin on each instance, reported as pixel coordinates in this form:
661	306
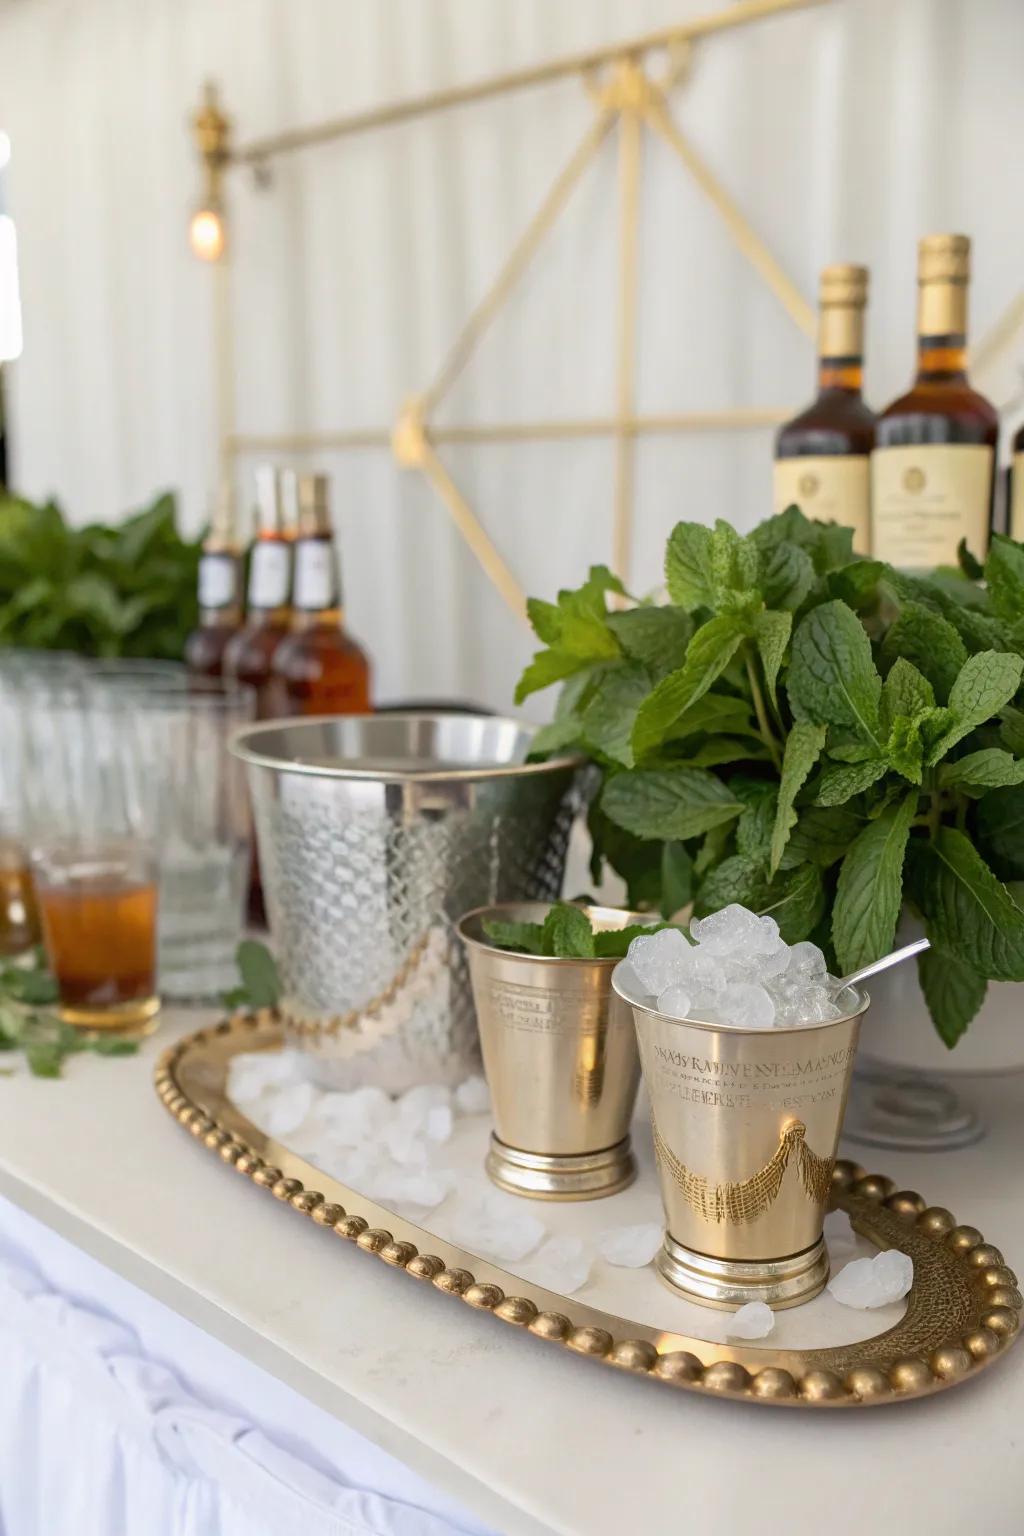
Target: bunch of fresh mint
816	736
26	1025
566	933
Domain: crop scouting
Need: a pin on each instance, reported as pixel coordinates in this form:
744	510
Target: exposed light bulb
207	234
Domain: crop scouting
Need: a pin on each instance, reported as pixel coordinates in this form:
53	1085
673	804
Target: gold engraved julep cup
561	1060
746	1124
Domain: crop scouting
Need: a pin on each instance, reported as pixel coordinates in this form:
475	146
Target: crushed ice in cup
630	1247
877	1282
739	971
562	1264
754	1320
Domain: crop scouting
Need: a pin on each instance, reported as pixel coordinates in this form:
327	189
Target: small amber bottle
822	455
932	467
220	595
322	670
248	658
1015	516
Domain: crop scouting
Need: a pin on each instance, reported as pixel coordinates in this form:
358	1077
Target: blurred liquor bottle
321	669
1015	518
932	477
220	593
249	656
822	456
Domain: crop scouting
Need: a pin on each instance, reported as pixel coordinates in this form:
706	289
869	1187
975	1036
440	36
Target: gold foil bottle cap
314	506
843	284
269	508
944	259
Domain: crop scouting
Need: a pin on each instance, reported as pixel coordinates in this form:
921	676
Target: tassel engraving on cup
750	1198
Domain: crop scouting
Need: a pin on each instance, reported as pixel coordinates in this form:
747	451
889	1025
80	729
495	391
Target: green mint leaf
928	641
857	584
688	574
44	1058
709	653
716	750
34	988
972	568
234	997
953	991
112	1045
850	751
906	691
904	750
869	894
678	803
677	878
788	526
967	911
978	772
1000	826
613	943
984	684
557	736
658	637
566	933
821	836
712	849
771	634
548	667
837	785
803	748
754	828
735	879
1011	730
258	970
545	618
734	562
715	713
832	677
638	863
787	576
796	900
610	714
1004	574
525	937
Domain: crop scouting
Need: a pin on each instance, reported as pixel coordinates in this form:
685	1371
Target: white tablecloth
119	1418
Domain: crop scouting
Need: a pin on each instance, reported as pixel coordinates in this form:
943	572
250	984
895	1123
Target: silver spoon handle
896	958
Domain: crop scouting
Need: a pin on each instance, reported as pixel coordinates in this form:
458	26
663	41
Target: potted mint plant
816	736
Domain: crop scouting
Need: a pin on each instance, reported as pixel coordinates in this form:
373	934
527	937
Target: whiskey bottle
220	595
322	670
248	657
822	455
932	468
1015	514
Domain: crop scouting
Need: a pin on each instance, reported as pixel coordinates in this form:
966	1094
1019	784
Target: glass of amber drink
98	905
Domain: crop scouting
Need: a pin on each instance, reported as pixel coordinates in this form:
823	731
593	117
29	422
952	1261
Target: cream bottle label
1016	525
218	579
925	499
269	572
314	574
831	488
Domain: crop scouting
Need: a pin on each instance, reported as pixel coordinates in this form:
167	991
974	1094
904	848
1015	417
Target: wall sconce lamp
208	226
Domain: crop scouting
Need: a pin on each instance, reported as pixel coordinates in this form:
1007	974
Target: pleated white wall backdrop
843	132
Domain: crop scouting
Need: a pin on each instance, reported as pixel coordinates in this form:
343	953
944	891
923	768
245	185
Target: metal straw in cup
746	1123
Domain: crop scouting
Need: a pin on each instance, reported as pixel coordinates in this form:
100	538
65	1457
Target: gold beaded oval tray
962	1314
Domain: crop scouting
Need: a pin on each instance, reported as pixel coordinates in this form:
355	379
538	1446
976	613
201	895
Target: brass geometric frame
627	100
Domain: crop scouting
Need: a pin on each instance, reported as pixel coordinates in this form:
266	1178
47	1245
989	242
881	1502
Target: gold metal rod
747	418
735	15
474	533
518	259
749	243
998	334
629	197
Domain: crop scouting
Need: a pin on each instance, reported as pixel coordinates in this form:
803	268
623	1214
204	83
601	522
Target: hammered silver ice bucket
375	834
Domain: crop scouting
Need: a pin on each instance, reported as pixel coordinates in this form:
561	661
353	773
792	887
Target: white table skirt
118	1417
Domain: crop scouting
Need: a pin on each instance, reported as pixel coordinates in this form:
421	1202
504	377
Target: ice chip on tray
494	1224
657	959
255	1071
473	1097
630	1247
877	1282
754	1320
561	1264
350	1119
288	1108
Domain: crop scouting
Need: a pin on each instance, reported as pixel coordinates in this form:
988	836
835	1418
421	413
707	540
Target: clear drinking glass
196	799
87	825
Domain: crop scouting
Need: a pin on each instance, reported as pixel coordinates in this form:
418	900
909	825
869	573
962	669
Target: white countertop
528	1437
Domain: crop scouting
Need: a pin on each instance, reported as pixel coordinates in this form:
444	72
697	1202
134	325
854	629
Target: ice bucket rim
627	996
596	911
242	746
